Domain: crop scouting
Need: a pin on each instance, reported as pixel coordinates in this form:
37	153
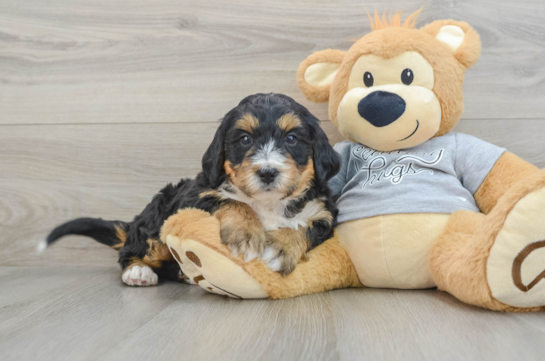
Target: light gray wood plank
86	313
69	61
53	173
522	137
429	325
75	315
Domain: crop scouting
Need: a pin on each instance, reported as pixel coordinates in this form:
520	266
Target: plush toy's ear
460	37
317	72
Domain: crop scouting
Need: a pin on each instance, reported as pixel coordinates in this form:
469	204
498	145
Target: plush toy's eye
407	76
245	140
291	139
368	79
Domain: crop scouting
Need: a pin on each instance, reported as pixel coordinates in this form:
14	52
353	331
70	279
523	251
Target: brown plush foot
516	264
497	261
213	271
207	262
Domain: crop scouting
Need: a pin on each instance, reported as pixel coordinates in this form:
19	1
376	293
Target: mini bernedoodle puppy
265	179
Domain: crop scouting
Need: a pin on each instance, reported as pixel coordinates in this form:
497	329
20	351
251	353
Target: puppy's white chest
272	216
272	212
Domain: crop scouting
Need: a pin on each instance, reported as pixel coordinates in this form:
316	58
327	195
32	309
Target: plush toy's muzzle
389	117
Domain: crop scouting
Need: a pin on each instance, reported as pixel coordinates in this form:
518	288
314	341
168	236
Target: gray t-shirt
438	176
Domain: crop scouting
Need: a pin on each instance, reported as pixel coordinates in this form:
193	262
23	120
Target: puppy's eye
368	79
245	140
291	139
407	76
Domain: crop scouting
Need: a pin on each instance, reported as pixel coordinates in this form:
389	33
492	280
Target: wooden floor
87	314
103	102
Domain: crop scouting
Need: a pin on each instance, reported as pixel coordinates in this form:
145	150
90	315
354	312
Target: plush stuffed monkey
419	206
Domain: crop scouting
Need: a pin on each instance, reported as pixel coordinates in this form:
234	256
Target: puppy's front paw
139	276
278	260
241	230
244	239
284	249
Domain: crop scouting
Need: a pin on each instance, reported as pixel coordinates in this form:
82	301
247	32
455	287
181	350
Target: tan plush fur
195	224
317	94
374	246
507	171
328	267
378	22
458	258
469	52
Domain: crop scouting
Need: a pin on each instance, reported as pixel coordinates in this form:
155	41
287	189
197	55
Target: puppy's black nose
381	108
267	175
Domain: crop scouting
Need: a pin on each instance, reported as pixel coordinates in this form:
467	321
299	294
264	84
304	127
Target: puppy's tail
110	233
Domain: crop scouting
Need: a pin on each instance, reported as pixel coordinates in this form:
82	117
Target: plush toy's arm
193	237
508	170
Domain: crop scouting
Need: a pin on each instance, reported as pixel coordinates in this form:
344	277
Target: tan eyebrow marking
247	123
288	121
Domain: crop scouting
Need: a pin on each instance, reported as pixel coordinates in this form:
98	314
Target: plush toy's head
397	86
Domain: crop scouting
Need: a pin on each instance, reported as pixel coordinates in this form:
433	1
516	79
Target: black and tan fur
268	152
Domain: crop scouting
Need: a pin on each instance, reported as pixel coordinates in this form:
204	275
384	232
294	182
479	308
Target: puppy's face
268	155
270	147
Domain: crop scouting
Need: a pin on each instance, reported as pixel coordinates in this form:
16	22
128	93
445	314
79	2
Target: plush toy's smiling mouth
410	135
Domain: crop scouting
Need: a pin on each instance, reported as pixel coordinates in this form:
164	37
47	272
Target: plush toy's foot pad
213	271
516	264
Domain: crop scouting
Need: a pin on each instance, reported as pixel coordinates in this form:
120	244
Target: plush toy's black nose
267	175
381	108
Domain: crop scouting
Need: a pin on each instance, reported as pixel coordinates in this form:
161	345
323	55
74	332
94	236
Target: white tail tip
41	246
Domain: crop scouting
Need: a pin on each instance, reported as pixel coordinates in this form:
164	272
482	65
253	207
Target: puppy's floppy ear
327	162
316	73
459	36
214	158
